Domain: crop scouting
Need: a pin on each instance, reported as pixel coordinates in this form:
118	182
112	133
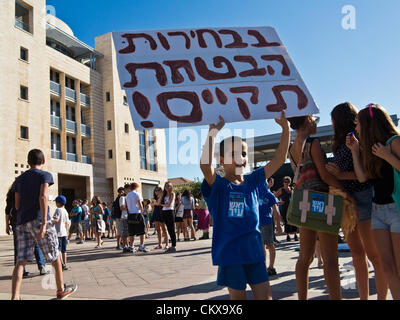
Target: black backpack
116	210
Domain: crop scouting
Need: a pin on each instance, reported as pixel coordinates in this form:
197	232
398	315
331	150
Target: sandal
158	247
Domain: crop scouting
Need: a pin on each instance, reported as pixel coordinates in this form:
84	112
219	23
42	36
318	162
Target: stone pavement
187	274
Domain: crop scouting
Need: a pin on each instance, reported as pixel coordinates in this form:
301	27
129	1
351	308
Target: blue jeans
38	253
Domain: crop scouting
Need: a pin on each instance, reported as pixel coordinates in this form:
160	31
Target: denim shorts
62	244
237	276
364	204
386	217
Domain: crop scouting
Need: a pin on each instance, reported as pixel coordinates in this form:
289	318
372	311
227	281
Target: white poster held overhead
192	76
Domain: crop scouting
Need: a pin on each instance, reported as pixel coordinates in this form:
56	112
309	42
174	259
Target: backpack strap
391	139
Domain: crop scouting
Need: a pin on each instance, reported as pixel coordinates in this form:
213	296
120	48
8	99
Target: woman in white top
167	214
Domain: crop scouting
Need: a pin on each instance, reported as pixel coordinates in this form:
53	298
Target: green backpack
396	176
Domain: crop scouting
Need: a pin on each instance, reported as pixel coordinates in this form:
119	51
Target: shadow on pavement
196	289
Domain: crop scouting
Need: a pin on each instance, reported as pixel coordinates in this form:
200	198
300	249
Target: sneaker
170	250
26	274
65	267
118	248
194	239
143	249
125	250
271	272
187	239
288	238
132	249
43	271
81	242
68	290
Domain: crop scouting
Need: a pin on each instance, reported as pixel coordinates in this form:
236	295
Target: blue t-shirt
107	213
78	217
234	210
28	187
266	201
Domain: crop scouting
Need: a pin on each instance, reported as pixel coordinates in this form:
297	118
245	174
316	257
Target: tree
194	188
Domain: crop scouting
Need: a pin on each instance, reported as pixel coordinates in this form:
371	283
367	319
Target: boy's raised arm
281	153
208	152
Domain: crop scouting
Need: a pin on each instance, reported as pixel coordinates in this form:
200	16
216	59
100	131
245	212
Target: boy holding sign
237	246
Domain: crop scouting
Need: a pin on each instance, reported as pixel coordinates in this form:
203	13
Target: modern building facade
60	95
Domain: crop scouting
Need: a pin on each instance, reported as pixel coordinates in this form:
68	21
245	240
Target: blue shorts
386	217
237	276
62	244
364	204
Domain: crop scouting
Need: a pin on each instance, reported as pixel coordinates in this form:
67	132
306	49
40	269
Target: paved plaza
187	274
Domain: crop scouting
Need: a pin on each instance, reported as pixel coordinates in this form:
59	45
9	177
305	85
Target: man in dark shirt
34	224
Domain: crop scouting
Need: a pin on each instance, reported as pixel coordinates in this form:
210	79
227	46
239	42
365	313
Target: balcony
55	88
70	94
85	131
20	24
71	126
72	157
86	159
55	122
85	100
56	154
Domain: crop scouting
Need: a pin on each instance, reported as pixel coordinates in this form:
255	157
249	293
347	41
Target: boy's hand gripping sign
192	76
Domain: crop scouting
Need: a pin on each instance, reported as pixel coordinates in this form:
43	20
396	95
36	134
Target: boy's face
75	203
235	157
59	205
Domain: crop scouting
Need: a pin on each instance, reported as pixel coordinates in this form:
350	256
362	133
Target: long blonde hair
376	127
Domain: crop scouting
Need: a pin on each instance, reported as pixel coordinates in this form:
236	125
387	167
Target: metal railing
55	88
22	25
86	159
85	100
56	154
85	130
55	122
70	94
71	126
72	157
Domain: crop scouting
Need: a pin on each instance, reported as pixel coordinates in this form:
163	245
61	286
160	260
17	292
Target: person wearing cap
62	222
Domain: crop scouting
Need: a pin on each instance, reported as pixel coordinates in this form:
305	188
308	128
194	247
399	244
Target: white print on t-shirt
236	205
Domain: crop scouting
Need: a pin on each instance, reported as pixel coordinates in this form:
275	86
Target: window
55	76
125	100
128	155
70	83
23	93
23	54
109	127
71	145
152	150
142	148
110	154
126	128
24	132
108	97
22	16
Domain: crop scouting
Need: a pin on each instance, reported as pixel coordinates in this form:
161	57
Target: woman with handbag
360	240
308	161
99	224
379	160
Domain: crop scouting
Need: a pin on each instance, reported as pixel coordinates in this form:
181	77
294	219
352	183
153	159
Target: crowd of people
246	215
365	170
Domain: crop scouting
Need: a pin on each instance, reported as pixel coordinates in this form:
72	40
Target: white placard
192	76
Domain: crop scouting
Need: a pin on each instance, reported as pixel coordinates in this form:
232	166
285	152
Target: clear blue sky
337	65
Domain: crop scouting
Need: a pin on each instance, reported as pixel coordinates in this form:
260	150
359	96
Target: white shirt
62	215
132	200
171	205
122	202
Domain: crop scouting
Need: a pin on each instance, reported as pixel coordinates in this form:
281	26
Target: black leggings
167	216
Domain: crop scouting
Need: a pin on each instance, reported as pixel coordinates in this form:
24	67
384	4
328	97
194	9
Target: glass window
110	154
24	132
23	54
126	128
108	97
142	147
23	92
109	127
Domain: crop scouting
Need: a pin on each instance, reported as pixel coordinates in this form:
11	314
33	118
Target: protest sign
192	76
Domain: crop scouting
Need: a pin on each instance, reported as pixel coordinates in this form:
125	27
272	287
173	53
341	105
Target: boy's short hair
134	186
270	179
35	157
120	189
127	186
231	140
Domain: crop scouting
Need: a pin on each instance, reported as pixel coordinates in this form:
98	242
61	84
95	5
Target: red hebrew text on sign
237	40
175	65
160	73
221	96
219	62
131	46
195	116
281	104
192	76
